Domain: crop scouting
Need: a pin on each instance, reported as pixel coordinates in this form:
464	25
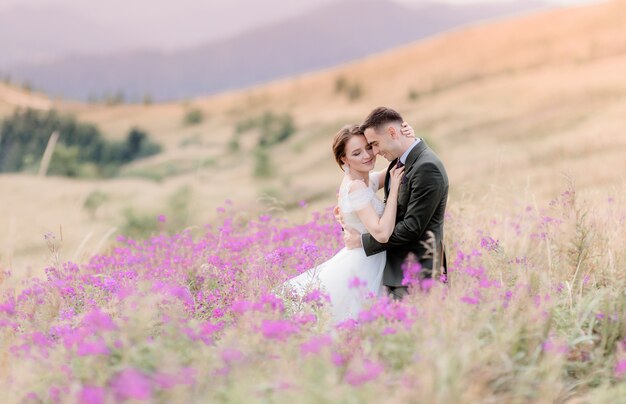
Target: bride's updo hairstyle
341	138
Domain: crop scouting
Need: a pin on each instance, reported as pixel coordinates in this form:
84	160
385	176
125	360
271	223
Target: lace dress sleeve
374	178
356	200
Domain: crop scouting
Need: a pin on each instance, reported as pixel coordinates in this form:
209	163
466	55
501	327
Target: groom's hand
407	130
352	238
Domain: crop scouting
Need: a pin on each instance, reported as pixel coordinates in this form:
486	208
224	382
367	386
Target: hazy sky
162	3
107	8
176	22
172	4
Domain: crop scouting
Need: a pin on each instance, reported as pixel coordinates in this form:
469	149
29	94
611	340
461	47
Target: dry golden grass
11	98
511	106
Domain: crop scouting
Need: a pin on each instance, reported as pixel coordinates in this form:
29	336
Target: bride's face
359	154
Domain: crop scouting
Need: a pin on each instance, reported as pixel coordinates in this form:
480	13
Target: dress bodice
350	203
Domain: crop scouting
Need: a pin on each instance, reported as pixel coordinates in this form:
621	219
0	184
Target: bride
350	277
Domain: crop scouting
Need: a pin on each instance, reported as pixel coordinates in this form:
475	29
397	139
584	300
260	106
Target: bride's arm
381	227
381	178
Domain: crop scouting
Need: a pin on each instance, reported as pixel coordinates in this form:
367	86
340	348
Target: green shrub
178	204
94	200
26	86
139	225
115	99
176	216
341	84
262	164
245	125
193	116
233	144
355	92
273	128
138	145
65	161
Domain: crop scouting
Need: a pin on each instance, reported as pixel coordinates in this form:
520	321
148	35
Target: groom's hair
379	117
341	138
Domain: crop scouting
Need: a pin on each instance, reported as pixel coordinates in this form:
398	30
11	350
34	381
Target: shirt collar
406	153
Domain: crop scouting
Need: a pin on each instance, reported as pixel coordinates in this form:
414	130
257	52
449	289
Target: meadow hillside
515	108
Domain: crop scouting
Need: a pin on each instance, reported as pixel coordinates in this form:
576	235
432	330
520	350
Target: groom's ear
391	130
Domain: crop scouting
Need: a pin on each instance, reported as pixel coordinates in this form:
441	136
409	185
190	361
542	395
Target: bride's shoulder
356	185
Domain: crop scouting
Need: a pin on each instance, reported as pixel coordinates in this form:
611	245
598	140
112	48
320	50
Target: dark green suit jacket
422	202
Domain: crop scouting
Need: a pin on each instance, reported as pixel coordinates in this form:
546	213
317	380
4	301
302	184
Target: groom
418	233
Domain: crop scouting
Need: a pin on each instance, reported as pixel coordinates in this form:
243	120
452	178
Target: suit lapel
414	154
410	160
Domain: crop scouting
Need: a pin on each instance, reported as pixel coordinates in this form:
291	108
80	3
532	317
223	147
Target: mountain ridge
346	31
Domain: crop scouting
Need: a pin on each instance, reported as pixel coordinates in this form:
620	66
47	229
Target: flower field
534	311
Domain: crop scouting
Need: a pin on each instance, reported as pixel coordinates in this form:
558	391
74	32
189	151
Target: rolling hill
513	107
12	97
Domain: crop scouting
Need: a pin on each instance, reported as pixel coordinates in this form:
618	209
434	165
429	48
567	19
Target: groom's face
381	142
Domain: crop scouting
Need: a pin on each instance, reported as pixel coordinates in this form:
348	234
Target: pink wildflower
315	344
278	329
411	273
92	348
388	331
131	384
470	300
230	355
356	283
349	324
91	395
316	296
8	307
338	359
370	371
165	380
98	321
489	244
620	369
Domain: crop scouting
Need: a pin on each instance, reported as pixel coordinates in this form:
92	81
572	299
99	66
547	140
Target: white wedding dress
349	277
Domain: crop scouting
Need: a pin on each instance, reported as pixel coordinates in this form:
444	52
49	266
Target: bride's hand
339	217
352	238
407	130
395	176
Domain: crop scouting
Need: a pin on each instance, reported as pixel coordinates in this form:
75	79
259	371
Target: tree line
81	149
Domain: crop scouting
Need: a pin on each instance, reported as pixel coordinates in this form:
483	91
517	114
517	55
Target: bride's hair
340	140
